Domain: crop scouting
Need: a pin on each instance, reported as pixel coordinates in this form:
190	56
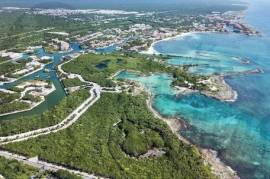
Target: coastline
151	50
218	168
175	124
224	91
210	157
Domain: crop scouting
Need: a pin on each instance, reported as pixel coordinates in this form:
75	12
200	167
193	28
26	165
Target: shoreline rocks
219	89
219	168
225	93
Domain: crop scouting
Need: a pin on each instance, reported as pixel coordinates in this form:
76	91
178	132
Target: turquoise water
52	99
239	131
216	52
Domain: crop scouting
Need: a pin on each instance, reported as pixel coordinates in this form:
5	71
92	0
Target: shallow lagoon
241	136
240	131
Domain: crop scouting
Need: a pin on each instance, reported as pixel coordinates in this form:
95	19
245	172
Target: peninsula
68	108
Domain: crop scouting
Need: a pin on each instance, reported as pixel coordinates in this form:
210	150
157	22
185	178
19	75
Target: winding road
67	122
95	92
72	118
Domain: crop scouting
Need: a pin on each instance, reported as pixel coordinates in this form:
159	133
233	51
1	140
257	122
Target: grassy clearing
99	67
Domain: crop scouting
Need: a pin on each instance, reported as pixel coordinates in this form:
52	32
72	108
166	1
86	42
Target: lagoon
239	131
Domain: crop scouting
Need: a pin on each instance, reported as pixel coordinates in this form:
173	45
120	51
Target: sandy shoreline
227	94
151	50
219	168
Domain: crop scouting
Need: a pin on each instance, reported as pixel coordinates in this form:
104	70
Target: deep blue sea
239	131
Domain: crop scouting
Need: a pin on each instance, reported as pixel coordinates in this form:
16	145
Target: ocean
239	131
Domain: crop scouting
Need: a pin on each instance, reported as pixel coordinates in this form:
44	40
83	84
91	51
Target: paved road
35	162
95	92
67	122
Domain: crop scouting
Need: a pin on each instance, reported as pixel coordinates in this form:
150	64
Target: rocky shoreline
220	90
219	168
225	93
217	88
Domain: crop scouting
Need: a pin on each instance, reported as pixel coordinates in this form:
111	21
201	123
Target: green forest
99	67
7	68
72	82
49	118
8	103
12	169
100	143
